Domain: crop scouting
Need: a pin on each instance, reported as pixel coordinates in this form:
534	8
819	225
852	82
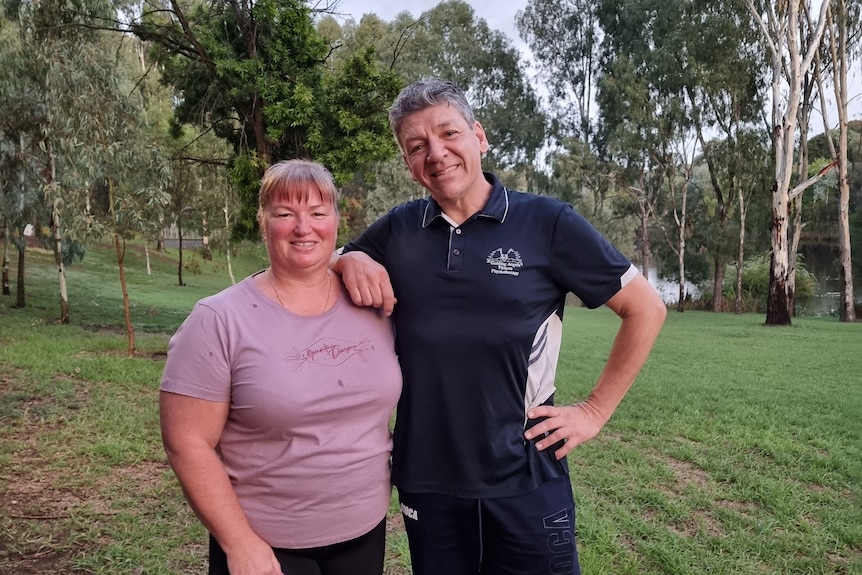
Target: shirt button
456	251
458	231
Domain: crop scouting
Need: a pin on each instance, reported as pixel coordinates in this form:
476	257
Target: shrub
193	265
755	285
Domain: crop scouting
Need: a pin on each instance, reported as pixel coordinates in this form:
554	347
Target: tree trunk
130	330
721	214
808	81
718	285
227	247
147	257
20	299
784	129
6	290
680	304
777	309
180	248
58	236
847	312
644	240
795	232
740	255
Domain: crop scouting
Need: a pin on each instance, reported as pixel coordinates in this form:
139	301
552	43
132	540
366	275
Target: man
481	275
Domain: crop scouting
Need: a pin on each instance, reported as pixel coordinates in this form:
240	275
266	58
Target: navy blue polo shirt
478	330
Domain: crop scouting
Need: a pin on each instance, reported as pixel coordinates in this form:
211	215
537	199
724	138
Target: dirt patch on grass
33	509
688	474
43	499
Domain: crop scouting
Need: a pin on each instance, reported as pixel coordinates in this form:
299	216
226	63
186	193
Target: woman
276	397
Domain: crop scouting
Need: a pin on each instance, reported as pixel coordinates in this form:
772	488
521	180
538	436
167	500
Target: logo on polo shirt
505	262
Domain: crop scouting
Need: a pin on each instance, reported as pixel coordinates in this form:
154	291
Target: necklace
278	297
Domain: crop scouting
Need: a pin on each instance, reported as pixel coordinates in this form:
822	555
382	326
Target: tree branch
801	187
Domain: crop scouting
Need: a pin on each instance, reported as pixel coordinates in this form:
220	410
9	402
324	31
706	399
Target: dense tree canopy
257	75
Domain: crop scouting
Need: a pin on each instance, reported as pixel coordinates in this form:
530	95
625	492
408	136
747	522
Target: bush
193	265
755	285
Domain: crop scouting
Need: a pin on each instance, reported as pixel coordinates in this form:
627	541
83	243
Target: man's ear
483	139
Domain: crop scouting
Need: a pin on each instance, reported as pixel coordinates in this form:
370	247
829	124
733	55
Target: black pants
360	556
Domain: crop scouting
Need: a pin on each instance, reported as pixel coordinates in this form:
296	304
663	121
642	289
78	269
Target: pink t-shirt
307	441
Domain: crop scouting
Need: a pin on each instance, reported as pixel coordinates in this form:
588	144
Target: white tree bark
781	34
838	46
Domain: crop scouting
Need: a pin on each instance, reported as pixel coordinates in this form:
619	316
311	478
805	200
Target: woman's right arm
191	429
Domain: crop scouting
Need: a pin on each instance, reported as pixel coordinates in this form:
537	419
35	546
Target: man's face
444	153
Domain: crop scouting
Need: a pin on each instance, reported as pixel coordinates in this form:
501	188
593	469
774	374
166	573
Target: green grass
158	303
737	450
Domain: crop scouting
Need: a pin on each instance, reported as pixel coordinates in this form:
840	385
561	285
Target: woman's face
300	235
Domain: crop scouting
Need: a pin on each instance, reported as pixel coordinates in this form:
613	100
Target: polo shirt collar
495	208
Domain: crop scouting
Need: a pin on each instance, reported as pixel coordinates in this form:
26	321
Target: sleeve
585	262
374	239
198	362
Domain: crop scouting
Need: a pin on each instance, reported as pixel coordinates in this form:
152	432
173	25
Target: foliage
564	39
256	75
821	205
579	177
856	245
450	42
393	186
244	173
21	195
755	284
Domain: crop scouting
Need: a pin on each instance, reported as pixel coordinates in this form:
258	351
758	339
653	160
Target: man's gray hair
425	93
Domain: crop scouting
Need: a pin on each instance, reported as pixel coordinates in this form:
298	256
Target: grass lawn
736	452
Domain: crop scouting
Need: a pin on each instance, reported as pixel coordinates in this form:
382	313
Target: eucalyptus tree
61	70
21	194
741	163
680	173
257	75
564	38
844	20
724	86
674	68
85	134
20	201
810	90
593	186
644	114
780	26
201	187
392	185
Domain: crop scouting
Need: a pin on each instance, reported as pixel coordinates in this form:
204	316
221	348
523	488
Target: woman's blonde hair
296	180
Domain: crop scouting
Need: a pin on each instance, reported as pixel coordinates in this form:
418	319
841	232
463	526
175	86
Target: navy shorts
529	534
